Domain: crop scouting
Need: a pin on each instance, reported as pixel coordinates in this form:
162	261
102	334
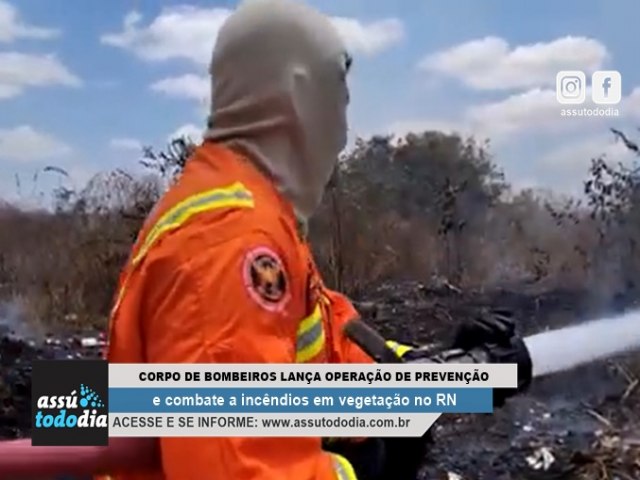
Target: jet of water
557	350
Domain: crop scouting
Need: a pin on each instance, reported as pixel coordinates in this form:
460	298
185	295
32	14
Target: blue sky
84	83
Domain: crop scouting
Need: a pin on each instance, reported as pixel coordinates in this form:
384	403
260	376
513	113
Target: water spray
537	355
565	348
511	350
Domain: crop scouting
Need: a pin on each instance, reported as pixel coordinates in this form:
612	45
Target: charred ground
429	208
586	419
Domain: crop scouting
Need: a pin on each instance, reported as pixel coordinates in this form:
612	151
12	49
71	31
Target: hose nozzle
512	351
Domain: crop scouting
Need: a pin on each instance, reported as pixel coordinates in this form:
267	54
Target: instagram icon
570	87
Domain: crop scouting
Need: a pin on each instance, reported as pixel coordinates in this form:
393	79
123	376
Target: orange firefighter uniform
221	274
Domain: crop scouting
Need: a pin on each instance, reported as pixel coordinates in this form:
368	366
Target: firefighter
221	271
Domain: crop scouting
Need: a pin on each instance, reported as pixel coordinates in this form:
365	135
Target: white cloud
534	109
25	144
534	118
538	111
20	70
189	131
631	105
12	27
125	143
184	32
9	91
189	33
189	86
575	156
565	166
492	64
369	38
404	127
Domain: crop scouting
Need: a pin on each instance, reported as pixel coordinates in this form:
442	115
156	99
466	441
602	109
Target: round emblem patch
265	278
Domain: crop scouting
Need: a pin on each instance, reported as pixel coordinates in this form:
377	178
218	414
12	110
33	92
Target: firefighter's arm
347	350
19	459
402	456
236	302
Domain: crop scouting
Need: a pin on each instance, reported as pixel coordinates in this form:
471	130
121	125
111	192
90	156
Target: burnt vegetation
429	207
421	231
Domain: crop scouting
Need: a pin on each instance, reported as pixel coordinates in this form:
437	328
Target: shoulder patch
265	279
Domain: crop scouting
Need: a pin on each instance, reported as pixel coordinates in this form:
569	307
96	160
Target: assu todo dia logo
70	402
82	408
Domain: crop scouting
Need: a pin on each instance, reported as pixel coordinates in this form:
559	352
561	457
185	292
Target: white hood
279	95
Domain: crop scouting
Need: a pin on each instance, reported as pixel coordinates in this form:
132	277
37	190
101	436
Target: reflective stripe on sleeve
232	196
310	339
344	470
235	196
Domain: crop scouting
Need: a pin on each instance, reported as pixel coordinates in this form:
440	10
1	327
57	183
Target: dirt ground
583	424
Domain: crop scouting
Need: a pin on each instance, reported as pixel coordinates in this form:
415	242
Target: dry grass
431	207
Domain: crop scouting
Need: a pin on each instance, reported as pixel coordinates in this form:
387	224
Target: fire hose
490	339
19	459
507	348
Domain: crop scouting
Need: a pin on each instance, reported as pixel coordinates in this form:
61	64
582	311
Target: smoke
557	350
13	321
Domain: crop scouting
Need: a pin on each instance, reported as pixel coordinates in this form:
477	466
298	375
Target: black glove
492	335
382	458
405	456
513	352
490	327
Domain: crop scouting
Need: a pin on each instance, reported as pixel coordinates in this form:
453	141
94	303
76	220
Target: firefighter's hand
490	327
405	456
367	456
515	351
382	458
494	332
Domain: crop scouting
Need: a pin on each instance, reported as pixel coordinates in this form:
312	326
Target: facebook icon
606	87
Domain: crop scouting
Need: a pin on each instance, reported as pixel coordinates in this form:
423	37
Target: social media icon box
606	87
571	87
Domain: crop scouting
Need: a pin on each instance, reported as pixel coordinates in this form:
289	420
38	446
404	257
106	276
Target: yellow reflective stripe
344	470
119	297
121	293
235	195
399	349
310	337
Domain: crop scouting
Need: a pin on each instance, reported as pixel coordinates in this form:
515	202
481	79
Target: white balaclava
279	95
